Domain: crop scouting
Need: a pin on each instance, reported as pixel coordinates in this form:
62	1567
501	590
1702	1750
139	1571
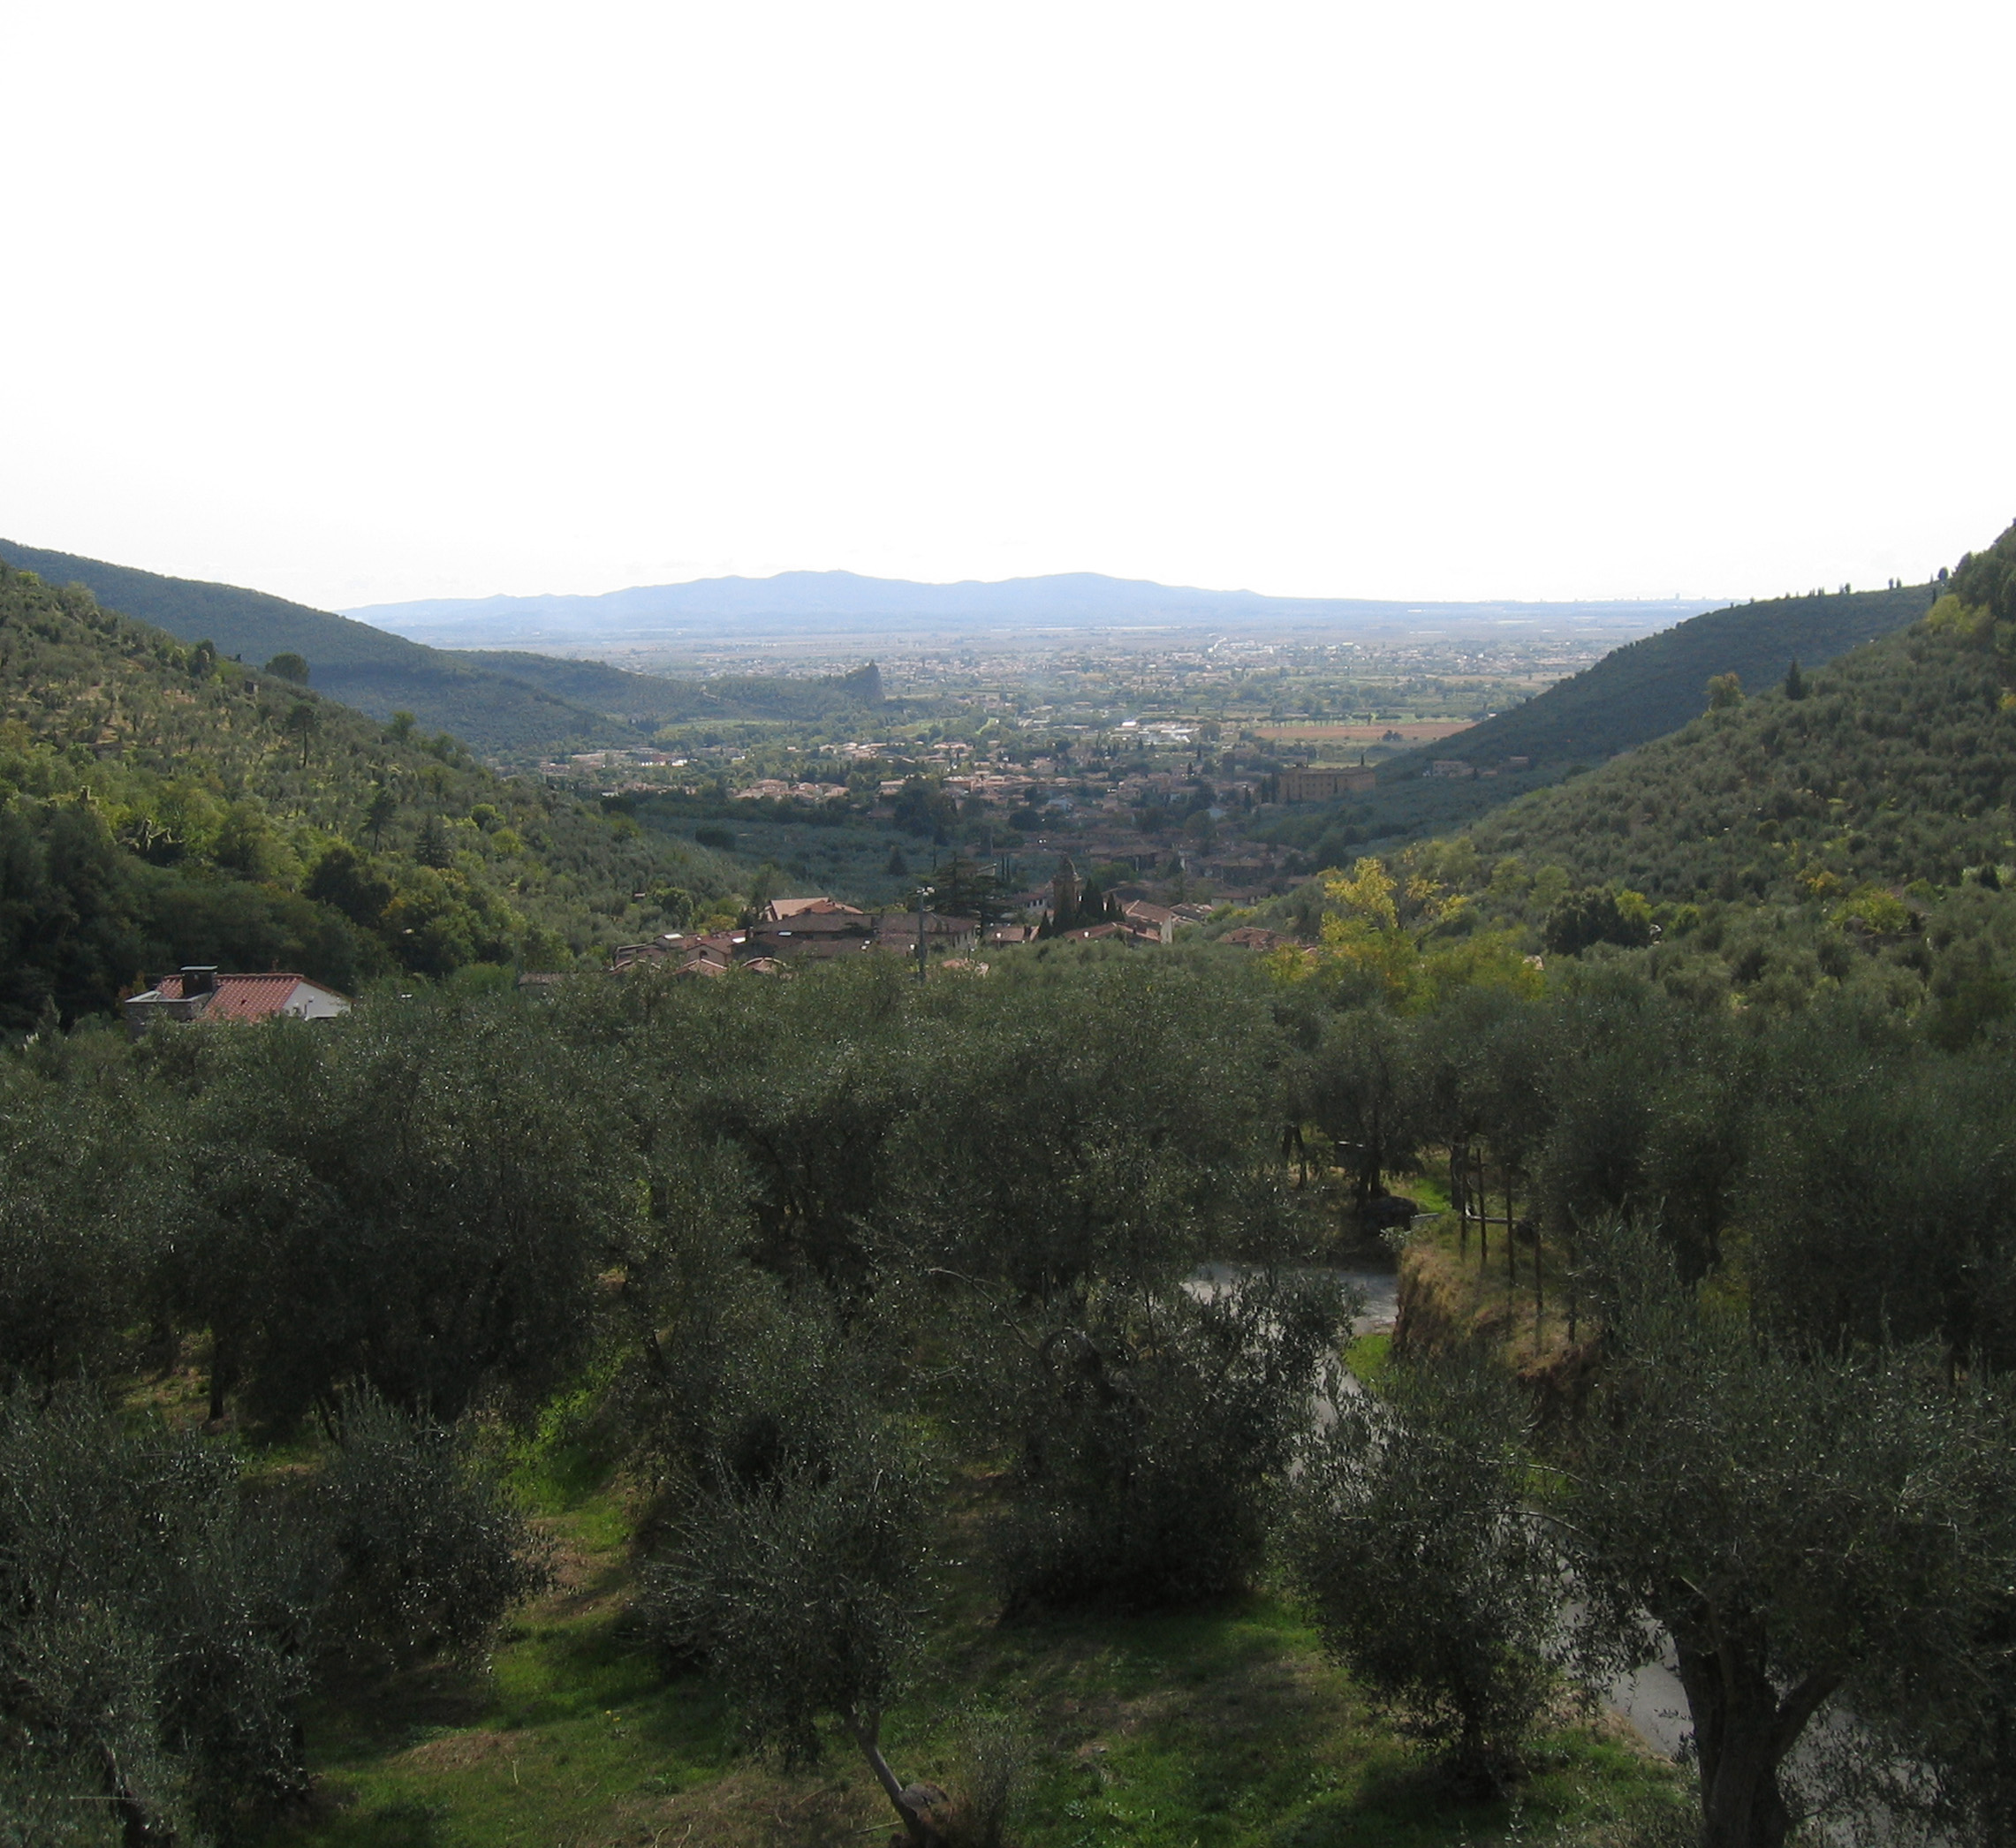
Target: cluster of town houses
789	929
786	930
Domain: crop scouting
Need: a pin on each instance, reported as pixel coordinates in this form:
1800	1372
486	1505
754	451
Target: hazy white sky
369	301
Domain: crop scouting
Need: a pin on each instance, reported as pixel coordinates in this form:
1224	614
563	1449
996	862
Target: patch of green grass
1428	1189
1213	1729
1368	1356
572	1726
1227	1728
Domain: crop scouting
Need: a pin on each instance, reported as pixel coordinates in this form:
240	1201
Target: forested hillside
502	705
377	673
1895	764
1850	831
163	804
1638	693
1652	687
649	699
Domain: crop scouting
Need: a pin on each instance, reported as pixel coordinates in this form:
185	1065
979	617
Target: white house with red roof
199	993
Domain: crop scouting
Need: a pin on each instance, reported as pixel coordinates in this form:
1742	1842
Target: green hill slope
1638	693
1654	686
503	704
648	699
1899	764
159	805
377	673
1856	836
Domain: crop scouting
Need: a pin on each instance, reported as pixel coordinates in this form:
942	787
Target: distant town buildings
1323	783
776	790
790	930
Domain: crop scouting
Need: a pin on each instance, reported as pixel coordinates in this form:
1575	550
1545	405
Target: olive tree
429	1551
1883	1202
80	1198
1147	1429
417	1197
1817	1531
799	1587
154	1621
161	1618
1410	1532
1362	1086
1111	1120
807	1082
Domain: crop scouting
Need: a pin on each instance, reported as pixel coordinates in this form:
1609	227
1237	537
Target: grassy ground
1200	1731
1449	1281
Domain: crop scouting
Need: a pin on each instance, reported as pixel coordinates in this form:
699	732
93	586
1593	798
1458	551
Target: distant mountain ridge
794	601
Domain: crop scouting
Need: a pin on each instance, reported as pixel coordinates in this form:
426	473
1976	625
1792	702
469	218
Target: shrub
1145	1438
1427	1575
1600	914
1877	909
153	1623
430	1552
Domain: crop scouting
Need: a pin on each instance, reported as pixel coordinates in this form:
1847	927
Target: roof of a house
244	998
794	942
936	924
780	909
837	922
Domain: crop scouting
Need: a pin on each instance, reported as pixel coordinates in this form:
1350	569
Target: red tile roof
239	998
779	910
1252	936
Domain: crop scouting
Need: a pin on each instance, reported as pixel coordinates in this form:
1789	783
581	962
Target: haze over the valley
831	605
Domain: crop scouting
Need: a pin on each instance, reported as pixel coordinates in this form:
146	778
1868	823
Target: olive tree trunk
866	1734
1743	1727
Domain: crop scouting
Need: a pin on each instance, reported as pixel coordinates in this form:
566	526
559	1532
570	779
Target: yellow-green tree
1405	940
